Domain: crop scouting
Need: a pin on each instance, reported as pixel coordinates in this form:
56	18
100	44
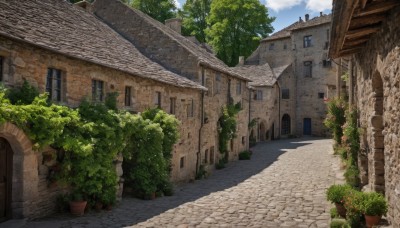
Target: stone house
62	49
366	36
304	44
165	45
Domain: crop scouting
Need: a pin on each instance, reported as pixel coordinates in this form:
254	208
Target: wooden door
5	179
307	126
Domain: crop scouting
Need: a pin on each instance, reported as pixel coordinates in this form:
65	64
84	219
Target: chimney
241	60
300	20
307	17
320	14
174	24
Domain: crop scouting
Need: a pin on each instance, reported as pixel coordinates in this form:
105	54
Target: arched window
286	124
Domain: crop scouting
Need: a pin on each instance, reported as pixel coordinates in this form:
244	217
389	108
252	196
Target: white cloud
278	5
312	5
177	3
318	5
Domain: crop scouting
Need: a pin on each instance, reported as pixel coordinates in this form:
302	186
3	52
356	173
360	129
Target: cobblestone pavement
283	185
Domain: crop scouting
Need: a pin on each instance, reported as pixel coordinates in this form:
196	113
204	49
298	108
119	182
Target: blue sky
289	11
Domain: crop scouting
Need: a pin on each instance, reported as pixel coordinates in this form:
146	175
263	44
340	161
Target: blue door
307	126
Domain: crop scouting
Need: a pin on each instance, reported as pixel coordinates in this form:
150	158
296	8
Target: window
217	82
157	99
212	155
53	84
321	95
258	95
326	63
128	95
172	105
308	69
307	41
190	108
271	46
284	46
238	87
182	163
97	90
1	68
205	157
285	94
243	140
326	46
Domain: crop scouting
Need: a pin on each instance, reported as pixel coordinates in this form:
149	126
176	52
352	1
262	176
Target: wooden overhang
354	22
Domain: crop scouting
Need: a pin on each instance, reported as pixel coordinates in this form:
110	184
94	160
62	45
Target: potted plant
373	206
77	204
336	194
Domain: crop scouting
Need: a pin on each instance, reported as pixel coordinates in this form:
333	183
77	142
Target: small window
271	46
54	84
258	95
327	63
284	46
205	157
307	41
97	90
172	105
128	96
1	68
238	87
308	69
212	155
182	163
190	108
285	94
321	95
243	140
217	82
157	100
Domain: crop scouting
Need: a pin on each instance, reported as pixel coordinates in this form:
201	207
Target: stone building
62	49
304	44
165	45
366	34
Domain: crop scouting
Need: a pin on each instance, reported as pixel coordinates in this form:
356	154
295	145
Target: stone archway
376	157
24	171
286	125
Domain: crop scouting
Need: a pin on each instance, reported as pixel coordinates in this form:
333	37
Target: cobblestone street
283	185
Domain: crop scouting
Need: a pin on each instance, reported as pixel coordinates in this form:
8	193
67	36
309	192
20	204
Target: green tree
160	10
194	14
236	27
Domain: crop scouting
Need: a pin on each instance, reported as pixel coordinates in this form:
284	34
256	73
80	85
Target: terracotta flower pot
77	207
341	210
98	206
372	220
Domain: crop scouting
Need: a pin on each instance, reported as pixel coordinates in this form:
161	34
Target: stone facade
376	76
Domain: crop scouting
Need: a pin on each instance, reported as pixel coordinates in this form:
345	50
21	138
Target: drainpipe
249	132
201	121
279	109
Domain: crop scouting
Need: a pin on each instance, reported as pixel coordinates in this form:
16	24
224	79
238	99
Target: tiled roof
279	70
260	75
284	33
69	30
205	58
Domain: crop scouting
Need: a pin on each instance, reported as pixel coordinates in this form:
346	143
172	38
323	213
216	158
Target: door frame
9	169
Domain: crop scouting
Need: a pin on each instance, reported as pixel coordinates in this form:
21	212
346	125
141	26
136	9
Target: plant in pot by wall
373	206
336	194
77	204
352	202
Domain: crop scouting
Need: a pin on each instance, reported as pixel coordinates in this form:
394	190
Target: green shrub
339	223
221	164
336	118
245	155
24	95
333	212
352	176
373	203
352	202
227	126
342	153
201	173
337	193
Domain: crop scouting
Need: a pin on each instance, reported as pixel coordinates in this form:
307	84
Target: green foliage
339	223
245	155
227	126
333	212
352	200
336	193
220	164
194	14
111	101
253	123
160	10
236	27
351	136
201	173
373	203
352	176
336	118
23	95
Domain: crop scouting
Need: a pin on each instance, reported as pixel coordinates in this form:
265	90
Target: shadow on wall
132	211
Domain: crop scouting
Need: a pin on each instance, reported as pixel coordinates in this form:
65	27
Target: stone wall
23	61
276	52
287	106
309	103
377	96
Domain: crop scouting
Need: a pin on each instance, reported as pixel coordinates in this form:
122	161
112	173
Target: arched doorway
377	158
6	159
262	131
285	124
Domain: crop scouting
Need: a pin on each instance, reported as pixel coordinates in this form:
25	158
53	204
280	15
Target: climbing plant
336	118
227	125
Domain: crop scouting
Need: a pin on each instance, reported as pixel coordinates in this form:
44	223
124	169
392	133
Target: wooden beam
359	22
376	7
360	46
348	52
361	32
355	42
363	3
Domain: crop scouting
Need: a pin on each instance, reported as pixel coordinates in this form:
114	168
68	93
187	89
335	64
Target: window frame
285	94
54	84
157	98
190	109
97	85
258	95
307	64
172	105
182	162
128	96
307	41
238	88
321	95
